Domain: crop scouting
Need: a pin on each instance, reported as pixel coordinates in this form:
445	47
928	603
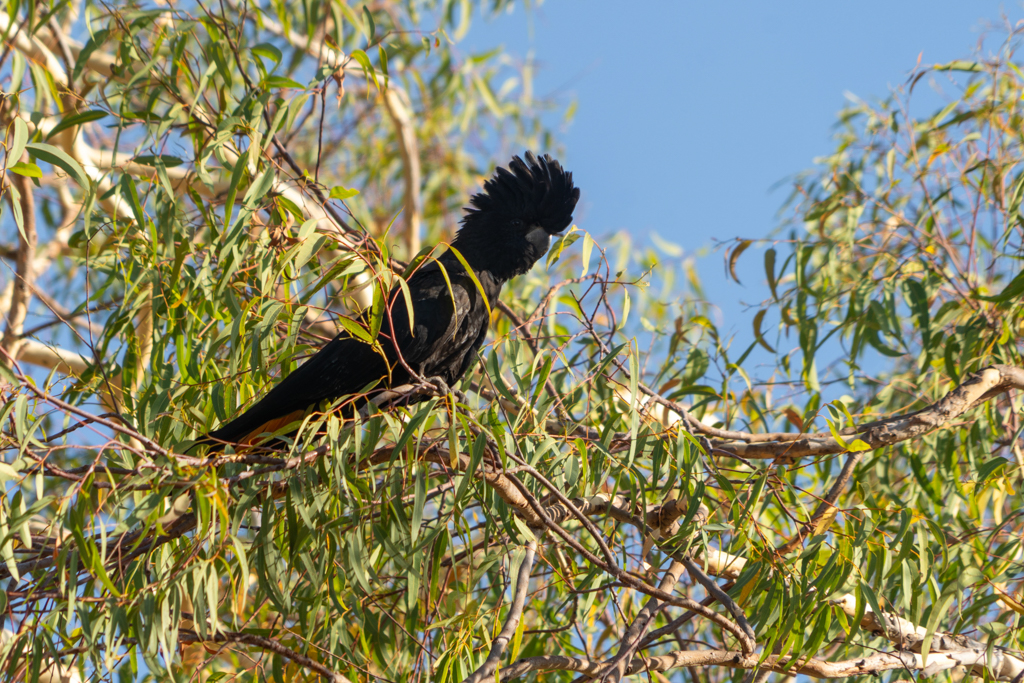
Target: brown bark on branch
976	388
813	667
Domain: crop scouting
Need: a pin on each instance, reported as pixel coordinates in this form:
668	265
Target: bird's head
509	225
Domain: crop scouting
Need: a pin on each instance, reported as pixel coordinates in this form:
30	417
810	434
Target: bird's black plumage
505	230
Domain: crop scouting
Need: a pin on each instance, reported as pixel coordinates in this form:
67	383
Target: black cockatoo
507	228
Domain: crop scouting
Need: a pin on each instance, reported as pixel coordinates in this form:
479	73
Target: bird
506	228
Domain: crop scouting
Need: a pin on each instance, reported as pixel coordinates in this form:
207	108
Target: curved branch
977	388
633	638
812	666
515	613
825	507
264	643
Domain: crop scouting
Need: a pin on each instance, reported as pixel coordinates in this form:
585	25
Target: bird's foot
442	389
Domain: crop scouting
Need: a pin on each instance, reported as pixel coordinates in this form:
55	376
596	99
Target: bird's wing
347	365
442	315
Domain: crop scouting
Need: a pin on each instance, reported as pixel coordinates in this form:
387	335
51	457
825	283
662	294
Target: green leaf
356	329
307	228
26	168
131	194
517	640
835	434
19	218
407	296
267	50
671	248
563	243
364	62
379	308
371	27
758	335
588	246
1011	291
488	97
383	60
871	336
959	65
419	500
8	473
342	193
77	119
18	141
259	188
890	164
282	82
871	599
472	276
734	256
60	159
938	613
157	160
306	248
989	467
523	530
8	376
769	269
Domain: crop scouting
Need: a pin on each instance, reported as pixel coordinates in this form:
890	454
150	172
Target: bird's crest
537	190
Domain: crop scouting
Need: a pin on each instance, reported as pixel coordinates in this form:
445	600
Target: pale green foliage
898	276
196	265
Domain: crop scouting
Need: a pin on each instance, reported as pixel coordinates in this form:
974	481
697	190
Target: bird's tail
251	427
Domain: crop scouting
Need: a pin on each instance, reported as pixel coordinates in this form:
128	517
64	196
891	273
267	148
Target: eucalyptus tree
199	196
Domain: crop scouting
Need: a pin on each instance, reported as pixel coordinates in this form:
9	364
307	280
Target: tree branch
395	100
812	666
826	506
264	643
515	613
24	275
976	388
900	632
634	635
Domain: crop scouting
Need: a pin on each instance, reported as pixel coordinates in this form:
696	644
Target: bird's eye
517	223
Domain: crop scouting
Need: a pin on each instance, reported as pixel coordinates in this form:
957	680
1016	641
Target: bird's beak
539	238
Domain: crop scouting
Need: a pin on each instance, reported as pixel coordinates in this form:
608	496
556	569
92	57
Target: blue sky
690	112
